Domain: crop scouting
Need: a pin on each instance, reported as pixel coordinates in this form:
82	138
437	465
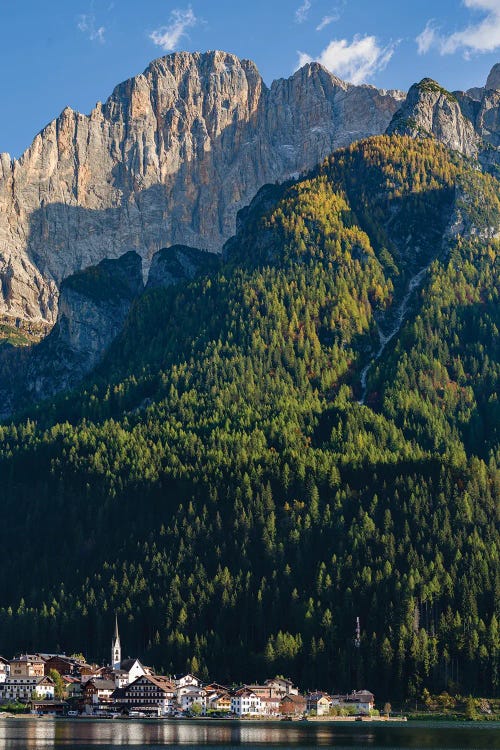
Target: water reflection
31	734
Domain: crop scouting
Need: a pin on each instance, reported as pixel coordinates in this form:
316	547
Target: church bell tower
116	650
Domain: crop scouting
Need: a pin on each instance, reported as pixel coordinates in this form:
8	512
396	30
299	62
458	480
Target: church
127	670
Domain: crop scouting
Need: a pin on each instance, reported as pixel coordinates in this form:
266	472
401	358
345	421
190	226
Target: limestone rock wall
465	121
169	159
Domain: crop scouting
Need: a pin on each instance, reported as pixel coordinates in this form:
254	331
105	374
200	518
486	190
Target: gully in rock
415	282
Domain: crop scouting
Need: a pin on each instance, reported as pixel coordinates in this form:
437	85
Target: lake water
31	734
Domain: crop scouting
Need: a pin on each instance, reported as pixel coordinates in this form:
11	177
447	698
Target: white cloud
87	25
327	20
427	38
355	62
483	36
333	16
168	37
302	12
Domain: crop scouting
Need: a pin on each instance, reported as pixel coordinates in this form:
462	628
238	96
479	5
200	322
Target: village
60	685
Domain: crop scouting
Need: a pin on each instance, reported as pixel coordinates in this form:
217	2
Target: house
217	700
132	669
151	694
50	708
119	677
97	694
186	680
280	686
188	691
270	705
23	689
98	673
72	686
362	700
89	671
263	691
29	665
4	669
245	702
216	687
293	705
319	702
187	696
60	663
266	699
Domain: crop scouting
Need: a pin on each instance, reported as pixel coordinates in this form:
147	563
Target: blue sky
73	52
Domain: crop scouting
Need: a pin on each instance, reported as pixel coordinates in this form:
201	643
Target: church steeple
116	650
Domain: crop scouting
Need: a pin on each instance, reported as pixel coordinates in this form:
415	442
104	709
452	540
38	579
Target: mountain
168	159
493	80
468	122
431	111
306	433
175	152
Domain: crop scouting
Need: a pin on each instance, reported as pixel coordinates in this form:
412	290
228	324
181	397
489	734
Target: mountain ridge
175	152
168	158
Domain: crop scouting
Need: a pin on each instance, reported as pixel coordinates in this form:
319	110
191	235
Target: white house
22	689
363	700
130	670
120	677
245	703
4	669
188	691
186	680
188	695
270	705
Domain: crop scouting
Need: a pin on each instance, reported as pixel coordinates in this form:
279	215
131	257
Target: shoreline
264	720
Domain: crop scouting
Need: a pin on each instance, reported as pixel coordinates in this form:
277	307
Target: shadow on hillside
143	222
195	204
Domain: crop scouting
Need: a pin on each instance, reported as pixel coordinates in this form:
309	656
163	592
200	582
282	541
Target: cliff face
93	306
430	110
170	158
493	80
174	265
176	152
465	121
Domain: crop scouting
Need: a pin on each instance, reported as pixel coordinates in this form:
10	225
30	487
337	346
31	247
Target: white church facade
125	671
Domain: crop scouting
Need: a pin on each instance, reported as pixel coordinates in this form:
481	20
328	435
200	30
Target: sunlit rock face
465	121
169	159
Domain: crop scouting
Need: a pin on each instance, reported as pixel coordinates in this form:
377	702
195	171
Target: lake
31	734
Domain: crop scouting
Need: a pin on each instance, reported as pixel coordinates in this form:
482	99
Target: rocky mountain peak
432	111
169	158
493	80
317	71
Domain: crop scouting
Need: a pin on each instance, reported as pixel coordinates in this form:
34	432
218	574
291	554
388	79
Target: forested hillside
218	483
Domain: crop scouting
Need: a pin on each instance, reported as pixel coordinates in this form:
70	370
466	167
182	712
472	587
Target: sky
57	53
